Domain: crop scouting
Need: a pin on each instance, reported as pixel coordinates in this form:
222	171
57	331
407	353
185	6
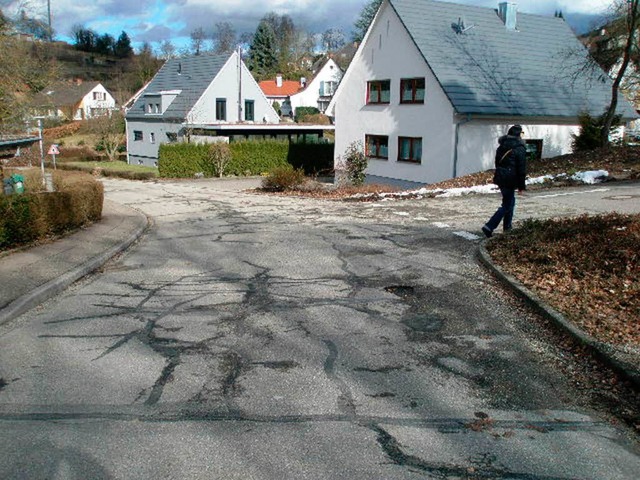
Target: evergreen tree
105	44
263	59
122	48
366	17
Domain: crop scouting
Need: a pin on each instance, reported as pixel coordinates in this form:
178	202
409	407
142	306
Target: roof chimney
507	12
279	80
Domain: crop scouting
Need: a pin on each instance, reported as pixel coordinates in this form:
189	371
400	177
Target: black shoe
487	231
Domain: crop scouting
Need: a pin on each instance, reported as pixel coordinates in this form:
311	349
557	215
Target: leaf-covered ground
588	268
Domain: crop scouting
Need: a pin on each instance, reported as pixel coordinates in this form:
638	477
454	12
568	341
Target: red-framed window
377	146
412	90
379	91
410	149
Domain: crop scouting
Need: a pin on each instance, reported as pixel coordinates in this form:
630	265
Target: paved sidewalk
31	276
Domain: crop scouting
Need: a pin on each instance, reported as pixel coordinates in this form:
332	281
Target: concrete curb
44	292
603	351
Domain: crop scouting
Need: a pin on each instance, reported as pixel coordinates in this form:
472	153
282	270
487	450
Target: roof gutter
455	147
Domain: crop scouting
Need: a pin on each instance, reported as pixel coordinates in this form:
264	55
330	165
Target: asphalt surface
247	336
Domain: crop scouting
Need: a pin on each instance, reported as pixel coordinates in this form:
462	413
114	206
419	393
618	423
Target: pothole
402	291
423	323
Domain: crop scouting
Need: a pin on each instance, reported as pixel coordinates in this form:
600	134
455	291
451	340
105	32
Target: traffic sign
53	150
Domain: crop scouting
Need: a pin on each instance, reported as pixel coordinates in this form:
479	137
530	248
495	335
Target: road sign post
53	151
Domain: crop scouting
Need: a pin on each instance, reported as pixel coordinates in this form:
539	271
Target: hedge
184	160
33	216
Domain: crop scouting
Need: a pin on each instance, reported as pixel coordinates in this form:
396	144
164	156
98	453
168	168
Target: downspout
455	147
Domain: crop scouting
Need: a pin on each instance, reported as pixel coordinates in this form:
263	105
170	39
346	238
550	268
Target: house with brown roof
74	101
280	90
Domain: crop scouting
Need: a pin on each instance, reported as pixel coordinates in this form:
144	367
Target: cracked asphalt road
248	336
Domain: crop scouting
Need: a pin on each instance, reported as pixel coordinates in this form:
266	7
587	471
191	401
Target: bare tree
333	39
167	50
629	10
224	37
198	37
110	129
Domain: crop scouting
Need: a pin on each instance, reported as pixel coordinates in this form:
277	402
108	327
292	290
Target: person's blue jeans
504	213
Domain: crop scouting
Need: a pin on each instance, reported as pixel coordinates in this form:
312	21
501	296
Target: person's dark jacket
511	163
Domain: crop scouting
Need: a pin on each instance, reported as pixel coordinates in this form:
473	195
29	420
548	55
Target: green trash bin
18	183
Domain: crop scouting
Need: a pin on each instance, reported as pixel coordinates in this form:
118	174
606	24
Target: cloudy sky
158	20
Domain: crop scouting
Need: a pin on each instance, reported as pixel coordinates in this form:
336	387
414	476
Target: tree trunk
609	115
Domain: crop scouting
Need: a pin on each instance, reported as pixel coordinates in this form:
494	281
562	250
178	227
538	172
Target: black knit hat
515	131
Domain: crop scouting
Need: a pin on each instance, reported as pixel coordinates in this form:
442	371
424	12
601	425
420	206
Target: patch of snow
591	177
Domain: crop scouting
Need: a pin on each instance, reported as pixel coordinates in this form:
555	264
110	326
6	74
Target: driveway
250	336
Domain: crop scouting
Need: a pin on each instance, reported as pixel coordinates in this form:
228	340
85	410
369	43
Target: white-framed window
152	137
137	136
101	96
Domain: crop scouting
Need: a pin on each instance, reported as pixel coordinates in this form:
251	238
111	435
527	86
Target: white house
192	94
433	85
74	101
316	92
319	91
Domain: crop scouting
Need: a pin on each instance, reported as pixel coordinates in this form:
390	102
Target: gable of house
177	86
320	89
72	96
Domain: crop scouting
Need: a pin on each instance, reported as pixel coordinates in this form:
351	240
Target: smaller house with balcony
73	101
314	93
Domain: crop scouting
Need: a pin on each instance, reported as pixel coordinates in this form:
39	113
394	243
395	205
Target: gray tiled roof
191	75
488	70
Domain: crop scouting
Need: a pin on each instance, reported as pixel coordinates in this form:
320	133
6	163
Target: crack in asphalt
346	403
480	468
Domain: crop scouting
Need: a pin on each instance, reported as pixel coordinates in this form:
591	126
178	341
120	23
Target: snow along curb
601	350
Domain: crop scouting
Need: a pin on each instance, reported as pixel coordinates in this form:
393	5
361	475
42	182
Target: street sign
53	150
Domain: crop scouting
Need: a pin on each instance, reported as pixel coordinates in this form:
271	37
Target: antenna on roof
460	27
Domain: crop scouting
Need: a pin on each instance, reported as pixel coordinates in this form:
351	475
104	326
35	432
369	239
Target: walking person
510	174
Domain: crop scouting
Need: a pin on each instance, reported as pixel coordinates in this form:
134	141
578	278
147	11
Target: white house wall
88	103
225	85
389	53
478	141
309	97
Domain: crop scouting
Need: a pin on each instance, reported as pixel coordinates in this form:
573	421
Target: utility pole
49	19
240	120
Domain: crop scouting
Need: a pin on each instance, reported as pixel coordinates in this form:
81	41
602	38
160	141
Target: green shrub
249	157
302	112
589	137
30	217
283	178
354	162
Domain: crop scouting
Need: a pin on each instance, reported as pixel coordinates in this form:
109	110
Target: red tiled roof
289	87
